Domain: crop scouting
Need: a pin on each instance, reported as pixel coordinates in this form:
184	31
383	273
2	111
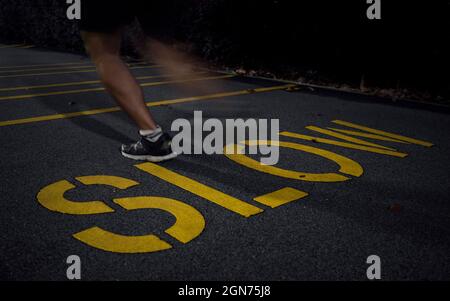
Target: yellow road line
59	68
56	64
383	133
367	135
197	188
70	72
149	104
347	138
345	144
47	69
281	197
83	83
12	46
26	47
46	65
100	89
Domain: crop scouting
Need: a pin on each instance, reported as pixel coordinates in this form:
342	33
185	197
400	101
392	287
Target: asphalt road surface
333	199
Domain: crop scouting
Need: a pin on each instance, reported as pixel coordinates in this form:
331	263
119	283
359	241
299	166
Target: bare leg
178	65
104	49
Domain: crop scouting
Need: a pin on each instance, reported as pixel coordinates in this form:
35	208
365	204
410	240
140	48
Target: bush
329	41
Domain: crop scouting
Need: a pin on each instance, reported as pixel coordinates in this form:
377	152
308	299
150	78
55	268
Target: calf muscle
104	50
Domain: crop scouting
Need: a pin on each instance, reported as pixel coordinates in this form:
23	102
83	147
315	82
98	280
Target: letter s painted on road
189	222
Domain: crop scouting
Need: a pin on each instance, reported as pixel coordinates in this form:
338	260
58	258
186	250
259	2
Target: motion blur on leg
161	41
102	34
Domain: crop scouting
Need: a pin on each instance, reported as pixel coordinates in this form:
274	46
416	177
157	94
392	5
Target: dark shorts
110	15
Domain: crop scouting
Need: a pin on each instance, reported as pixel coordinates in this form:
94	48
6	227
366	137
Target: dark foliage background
325	42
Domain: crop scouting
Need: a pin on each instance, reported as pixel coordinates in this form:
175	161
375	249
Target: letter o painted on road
346	165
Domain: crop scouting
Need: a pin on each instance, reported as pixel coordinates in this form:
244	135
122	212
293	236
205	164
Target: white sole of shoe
154	159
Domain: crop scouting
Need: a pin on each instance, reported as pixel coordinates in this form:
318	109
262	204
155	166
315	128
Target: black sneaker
145	150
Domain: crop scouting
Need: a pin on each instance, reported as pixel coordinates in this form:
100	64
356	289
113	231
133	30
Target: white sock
152	135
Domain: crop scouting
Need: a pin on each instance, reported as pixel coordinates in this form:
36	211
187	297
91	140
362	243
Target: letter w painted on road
359	144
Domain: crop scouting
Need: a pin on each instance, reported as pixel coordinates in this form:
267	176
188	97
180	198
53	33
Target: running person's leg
104	50
159	21
102	37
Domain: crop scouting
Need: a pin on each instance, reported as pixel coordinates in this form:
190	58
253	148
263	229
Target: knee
102	48
102	60
101	55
